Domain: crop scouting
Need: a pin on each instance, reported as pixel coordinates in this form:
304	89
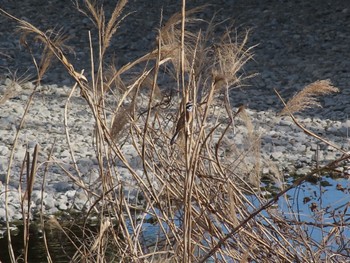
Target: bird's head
189	106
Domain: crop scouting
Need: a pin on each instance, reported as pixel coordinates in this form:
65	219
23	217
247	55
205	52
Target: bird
181	123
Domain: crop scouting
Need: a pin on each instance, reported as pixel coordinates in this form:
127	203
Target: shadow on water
60	248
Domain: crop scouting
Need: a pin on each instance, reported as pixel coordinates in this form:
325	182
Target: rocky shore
298	42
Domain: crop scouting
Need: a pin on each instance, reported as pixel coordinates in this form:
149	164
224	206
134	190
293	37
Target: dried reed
195	192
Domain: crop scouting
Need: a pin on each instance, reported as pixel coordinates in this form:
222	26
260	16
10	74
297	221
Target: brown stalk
305	99
28	193
197	194
262	208
42	221
8	174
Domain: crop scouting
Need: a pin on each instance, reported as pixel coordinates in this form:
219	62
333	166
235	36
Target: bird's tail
173	139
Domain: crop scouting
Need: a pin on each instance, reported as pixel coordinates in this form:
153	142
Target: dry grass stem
197	200
306	98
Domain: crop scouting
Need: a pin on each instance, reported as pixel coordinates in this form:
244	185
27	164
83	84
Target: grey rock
302	171
276	155
62	202
36	196
265	171
4	150
300	148
62	206
71	194
49	202
2	214
62	186
52	211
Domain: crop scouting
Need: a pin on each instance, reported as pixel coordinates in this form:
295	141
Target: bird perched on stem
186	117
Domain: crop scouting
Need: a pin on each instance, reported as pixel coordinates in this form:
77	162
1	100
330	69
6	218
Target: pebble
2	214
36	196
62	202
62	186
62	206
70	194
302	171
276	155
49	202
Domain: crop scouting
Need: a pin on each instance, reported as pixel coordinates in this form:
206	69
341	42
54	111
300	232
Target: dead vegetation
194	191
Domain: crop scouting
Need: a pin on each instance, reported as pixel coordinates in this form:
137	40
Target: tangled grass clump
200	192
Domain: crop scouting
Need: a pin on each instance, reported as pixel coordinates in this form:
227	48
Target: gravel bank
299	42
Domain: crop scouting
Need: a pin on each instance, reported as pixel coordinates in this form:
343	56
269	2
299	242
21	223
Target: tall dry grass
202	193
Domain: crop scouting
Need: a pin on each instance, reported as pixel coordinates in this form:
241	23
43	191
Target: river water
322	201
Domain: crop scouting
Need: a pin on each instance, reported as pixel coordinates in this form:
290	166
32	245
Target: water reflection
61	250
330	195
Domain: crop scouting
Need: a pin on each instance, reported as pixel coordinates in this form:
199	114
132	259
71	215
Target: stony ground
298	42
